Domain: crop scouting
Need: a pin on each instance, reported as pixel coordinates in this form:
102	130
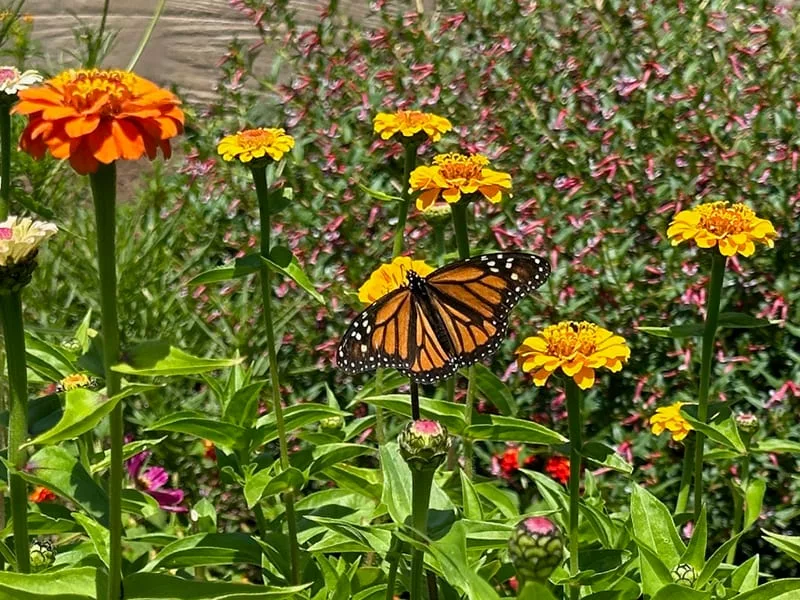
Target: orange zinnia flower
453	175
41	494
94	116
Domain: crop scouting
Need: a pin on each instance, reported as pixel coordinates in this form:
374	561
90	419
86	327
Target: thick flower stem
709	333
686	475
421	484
738	505
393	556
5	160
408	165
459	214
262	191
104	192
11	314
574	400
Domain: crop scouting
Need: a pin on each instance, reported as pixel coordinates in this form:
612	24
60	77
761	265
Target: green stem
738	505
262	191
408	165
712	315
104	192
393	556
421	484
147	35
5	160
574	400
380	427
459	215
686	476
11	313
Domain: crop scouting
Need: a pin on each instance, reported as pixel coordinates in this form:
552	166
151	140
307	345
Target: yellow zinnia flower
669	418
578	348
75	381
455	174
734	228
410	123
253	144
389	277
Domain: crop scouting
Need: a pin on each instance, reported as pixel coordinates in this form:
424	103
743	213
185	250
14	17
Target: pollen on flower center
720	219
459	166
570	338
256	138
84	88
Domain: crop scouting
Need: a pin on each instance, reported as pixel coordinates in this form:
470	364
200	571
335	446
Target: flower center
720	219
8	74
411	118
256	138
86	88
459	166
427	427
6	233
571	338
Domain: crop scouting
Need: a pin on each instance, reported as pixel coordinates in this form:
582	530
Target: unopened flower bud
42	554
71	345
684	574
424	444
333	423
747	423
437	213
536	548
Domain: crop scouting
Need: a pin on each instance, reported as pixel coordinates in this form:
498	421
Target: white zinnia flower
20	237
12	81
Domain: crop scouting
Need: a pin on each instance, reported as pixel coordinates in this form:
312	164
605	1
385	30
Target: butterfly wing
433	359
380	336
474	297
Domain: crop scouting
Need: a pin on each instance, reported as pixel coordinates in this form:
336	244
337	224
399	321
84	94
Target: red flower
41	494
558	468
509	462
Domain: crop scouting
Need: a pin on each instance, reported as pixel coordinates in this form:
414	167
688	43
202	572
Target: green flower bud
71	345
437	213
536	548
684	575
424	444
332	423
43	555
747	423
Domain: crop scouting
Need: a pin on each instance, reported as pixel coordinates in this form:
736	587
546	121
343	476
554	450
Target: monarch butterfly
434	325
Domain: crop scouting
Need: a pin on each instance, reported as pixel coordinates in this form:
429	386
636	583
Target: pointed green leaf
208	549
99	535
655	573
535	591
83	411
734	320
242	409
128	450
396	483
491	387
777	446
745	577
447	413
510	429
85	583
379	195
293	270
782	589
157	358
695	553
673	591
159	586
790	544
653	525
242	267
754	498
603	455
723	432
199	425
331	454
470	499
710	568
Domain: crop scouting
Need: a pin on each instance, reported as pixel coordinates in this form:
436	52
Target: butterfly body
435	325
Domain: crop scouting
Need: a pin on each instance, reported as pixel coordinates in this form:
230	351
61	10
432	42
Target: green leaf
139	503
208	549
279	202
66	584
330	454
157	358
242	267
128	450
83	411
158	586
783	589
655	573
197	424
294	418
447	413
675	331
293	270
242	409
723	432
695	553
745	576
710	568
396	483
510	429
263	484
790	544
204	516
57	470
535	591
494	390
754	497
777	446
727	320
99	535
734	320
469	499
379	195
653	525
603	455
673	591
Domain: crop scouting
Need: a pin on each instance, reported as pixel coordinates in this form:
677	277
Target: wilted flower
94	116
669	418
389	277
152	482
454	175
75	381
254	144
424	444
734	228
41	494
410	123
536	548
558	468
13	81
577	348
20	239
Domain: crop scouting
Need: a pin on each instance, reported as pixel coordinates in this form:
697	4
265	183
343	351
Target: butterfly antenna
414	400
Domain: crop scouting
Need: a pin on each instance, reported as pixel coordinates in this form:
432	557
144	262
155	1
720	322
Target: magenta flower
152	481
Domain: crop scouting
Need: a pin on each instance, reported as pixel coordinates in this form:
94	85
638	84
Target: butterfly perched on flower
432	326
